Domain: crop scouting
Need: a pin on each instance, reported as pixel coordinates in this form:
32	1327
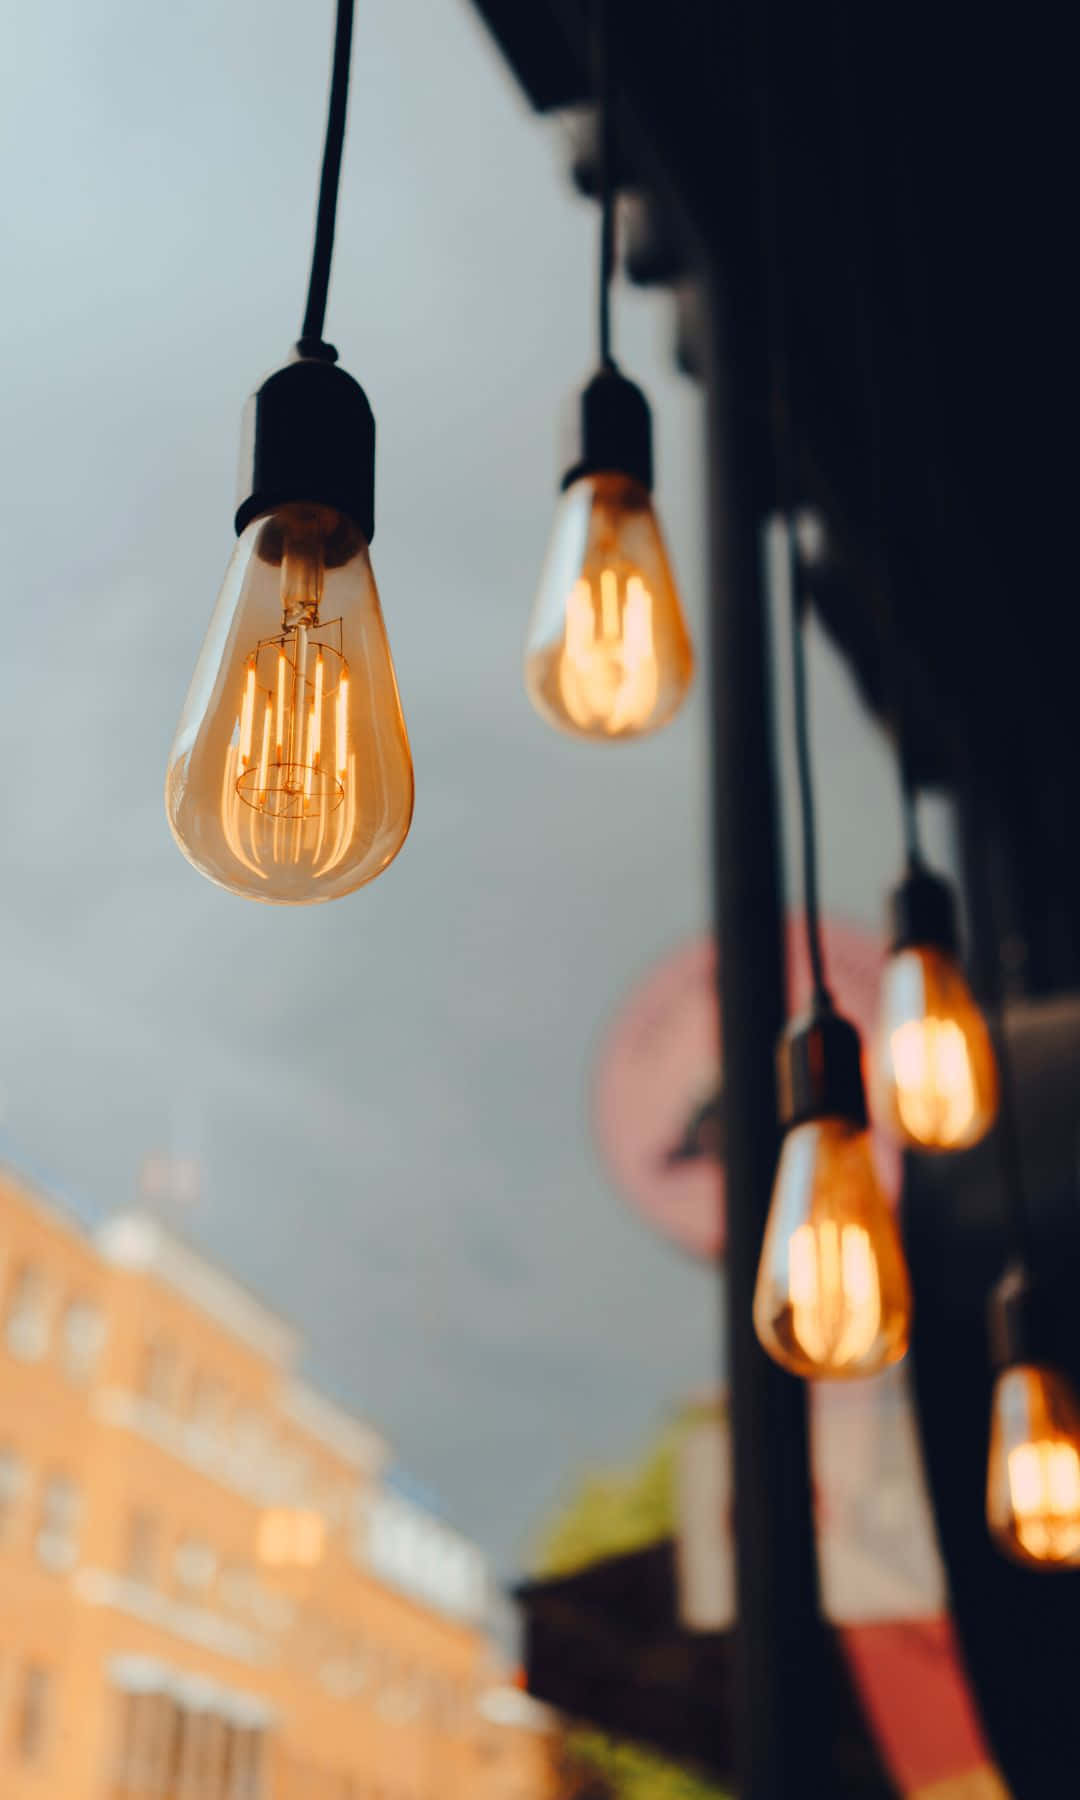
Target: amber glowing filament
279	729
935	1075
835	1292
609	673
1033	1475
247	715
342	721
264	754
289	780
1044	1486
832	1297
935	1088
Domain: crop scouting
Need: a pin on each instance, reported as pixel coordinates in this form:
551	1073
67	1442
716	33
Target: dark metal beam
779	1703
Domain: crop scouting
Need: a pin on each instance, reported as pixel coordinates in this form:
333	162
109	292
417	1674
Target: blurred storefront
213	1588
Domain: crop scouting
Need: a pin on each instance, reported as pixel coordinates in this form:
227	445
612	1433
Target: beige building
208	1588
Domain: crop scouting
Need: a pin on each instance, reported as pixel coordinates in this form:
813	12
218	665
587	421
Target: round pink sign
658	1097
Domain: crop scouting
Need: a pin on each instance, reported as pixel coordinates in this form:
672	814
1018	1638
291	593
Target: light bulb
935	1079
832	1297
608	654
290	778
1033	1475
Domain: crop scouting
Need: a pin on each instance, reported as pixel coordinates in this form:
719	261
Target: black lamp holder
819	1070
922	911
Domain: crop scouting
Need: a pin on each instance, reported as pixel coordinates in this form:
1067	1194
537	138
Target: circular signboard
658	1099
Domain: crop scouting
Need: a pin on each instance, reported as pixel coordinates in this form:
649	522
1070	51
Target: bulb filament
609	674
835	1292
1044	1490
288	780
935	1085
281	803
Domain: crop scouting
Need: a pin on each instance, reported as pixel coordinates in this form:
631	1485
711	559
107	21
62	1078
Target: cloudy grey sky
388	1094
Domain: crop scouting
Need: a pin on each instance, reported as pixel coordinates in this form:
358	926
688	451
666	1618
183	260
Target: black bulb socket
609	431
819	1071
1019	1322
922	913
309	438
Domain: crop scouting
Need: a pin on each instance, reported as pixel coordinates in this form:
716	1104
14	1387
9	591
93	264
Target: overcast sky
388	1094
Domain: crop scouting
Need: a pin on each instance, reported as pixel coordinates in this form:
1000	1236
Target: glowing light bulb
608	654
290	778
1033	1475
832	1297
935	1079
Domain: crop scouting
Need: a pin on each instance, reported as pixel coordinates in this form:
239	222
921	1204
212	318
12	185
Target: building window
140	1563
82	1335
194	1565
32	1716
160	1369
26	1328
209	1402
12	1488
58	1529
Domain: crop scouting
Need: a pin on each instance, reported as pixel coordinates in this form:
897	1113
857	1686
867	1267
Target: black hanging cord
909	812
821	999
770	200
1008	1136
1007	1131
602	82
311	335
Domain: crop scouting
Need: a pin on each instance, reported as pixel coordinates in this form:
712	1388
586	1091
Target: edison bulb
1033	1475
833	1297
934	1074
290	778
608	653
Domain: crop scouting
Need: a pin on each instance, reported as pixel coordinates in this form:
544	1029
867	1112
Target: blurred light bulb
1033	1474
934	1074
290	778
832	1295
608	653
935	1079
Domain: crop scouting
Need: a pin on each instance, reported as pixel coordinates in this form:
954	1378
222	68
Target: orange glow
247	715
323	803
935	1078
343	723
608	654
832	1295
1033	1476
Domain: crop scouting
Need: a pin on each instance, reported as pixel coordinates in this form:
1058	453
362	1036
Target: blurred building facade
212	1589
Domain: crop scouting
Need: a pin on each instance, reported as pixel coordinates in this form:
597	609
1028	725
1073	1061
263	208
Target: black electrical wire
821	999
1018	1220
909	814
1016	1209
311	335
769	199
605	176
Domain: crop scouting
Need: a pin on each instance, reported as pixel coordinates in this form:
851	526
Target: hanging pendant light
1033	1470
290	777
833	1297
608	654
934	1077
1033	1464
